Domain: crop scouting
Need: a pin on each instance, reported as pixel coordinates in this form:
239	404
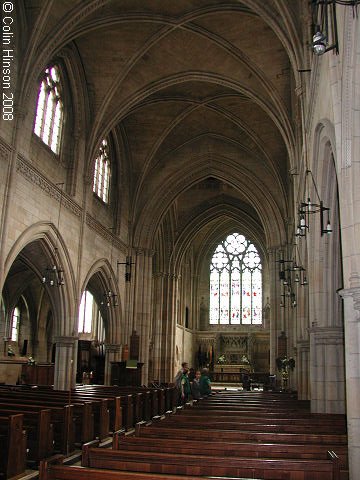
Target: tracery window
102	172
236	282
49	110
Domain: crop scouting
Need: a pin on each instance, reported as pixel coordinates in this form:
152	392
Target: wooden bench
210	434
256	425
83	415
146	402
245	416
39	429
229	449
53	469
62	419
186	464
106	406
12	445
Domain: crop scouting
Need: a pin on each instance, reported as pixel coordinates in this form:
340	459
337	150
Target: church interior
178	184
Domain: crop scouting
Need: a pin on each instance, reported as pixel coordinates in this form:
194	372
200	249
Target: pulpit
126	373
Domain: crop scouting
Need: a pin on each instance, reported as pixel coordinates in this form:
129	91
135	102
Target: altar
230	373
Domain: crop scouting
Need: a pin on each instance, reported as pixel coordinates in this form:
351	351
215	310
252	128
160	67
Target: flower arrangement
284	364
31	361
221	359
10	351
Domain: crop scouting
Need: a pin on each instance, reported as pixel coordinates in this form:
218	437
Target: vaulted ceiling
203	93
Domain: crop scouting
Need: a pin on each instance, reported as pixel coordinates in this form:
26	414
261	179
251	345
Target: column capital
327	335
353	292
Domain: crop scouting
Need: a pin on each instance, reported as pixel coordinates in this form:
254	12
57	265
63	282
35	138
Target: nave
230	434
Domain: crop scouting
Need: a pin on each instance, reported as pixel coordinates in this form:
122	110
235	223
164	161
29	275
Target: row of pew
257	435
37	422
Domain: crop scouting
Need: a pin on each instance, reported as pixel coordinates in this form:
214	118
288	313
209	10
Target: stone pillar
157	334
143	306
65	362
274	307
327	369
302	369
112	354
351	298
169	326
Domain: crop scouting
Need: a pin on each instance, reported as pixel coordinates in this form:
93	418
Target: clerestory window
49	109
236	283
102	173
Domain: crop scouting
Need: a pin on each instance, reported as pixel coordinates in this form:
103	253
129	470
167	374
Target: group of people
192	384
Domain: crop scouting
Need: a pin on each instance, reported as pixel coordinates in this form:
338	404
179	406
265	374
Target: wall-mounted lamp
128	262
110	299
53	275
291	274
325	35
309	207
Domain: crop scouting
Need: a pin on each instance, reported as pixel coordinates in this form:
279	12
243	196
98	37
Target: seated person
205	384
195	386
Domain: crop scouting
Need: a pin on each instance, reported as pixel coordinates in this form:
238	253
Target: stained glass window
102	172
236	283
49	109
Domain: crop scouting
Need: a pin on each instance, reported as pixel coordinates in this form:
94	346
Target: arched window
90	318
102	173
235	283
49	109
15	325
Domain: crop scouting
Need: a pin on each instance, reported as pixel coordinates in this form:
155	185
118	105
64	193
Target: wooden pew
256	425
62	419
245	416
53	469
12	446
106	408
82	422
210	434
39	429
186	464
229	449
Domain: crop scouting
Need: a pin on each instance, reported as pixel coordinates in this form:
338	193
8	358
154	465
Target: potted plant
285	365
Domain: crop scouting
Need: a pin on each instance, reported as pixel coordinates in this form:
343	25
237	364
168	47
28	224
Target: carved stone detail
37	178
105	233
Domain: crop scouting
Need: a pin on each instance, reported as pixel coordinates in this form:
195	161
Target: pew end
85	451
116	435
44	465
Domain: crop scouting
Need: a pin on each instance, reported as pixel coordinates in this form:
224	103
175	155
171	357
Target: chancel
179	184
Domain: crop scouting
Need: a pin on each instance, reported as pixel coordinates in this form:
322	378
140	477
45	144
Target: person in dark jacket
205	383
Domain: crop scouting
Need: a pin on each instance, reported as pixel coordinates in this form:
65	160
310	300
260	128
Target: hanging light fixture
110	297
128	262
308	207
54	275
325	35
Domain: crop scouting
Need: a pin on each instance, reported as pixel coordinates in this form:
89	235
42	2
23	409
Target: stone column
274	307
327	369
302	369
169	326
157	336
112	354
351	298
143	306
65	362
